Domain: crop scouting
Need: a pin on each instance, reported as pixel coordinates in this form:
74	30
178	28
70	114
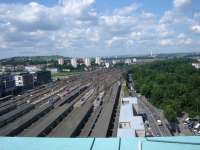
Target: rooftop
126	112
128	123
131	100
154	143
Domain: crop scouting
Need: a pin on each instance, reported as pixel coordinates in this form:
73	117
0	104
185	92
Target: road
152	121
153	114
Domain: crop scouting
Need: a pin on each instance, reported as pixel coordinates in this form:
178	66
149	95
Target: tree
170	113
172	85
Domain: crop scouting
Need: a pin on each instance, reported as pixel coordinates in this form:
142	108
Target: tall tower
87	62
98	60
74	62
60	61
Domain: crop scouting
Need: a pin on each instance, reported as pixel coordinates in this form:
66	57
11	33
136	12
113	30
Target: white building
74	62
133	101
107	64
24	80
87	62
19	80
98	60
60	61
127	61
32	69
196	65
114	62
134	60
52	70
129	124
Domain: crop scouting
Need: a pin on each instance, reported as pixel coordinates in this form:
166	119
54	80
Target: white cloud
196	28
92	13
197	15
93	34
113	40
181	3
136	34
127	10
166	42
174	17
164	30
75	7
73	27
180	40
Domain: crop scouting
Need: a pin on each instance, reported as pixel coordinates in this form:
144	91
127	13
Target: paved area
153	115
156	115
183	128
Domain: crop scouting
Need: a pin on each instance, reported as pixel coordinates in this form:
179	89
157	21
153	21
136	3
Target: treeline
172	85
15	62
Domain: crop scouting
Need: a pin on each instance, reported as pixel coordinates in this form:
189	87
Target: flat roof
126	132
153	143
138	123
126	112
132	100
127	115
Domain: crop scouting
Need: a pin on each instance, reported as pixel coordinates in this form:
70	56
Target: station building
43	77
7	84
130	125
24	80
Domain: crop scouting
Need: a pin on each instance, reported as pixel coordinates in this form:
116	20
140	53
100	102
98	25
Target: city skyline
85	28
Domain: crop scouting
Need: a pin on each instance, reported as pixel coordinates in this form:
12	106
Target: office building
98	60
134	60
74	62
114	62
7	83
87	62
107	64
196	65
32	69
61	61
24	81
52	70
127	61
43	77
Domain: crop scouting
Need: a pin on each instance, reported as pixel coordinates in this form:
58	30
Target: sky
83	28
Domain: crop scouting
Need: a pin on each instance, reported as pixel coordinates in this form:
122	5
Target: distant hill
34	58
30	60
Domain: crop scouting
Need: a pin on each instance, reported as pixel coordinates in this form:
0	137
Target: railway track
64	108
50	121
71	125
103	126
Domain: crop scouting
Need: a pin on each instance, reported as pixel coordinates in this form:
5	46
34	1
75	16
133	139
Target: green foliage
172	85
170	113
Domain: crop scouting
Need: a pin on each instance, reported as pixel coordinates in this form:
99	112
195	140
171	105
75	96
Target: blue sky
98	27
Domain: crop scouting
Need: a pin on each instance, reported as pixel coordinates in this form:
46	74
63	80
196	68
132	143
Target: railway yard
81	105
84	105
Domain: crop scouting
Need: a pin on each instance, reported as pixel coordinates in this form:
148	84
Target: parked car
159	122
197	126
190	125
